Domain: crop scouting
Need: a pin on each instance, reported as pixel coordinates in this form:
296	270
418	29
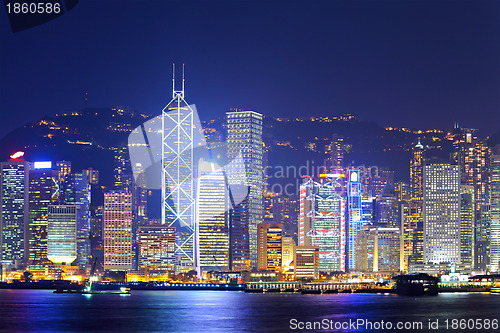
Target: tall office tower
441	212
335	154
63	168
177	182
244	140
287	251
467	226
14	219
354	215
387	208
306	261
411	226
384	253
43	191
473	156
213	224
96	235
117	231
482	239
495	212
417	172
322	221
122	171
157	248
61	234
92	176
368	205
270	246
76	190
402	191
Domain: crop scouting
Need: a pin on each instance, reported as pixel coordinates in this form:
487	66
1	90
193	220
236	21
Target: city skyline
438	65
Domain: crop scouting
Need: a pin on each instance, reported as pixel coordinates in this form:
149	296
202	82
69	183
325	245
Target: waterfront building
244	144
117	231
270	246
322	221
14	218
156	248
378	250
75	190
213	205
287	251
441	212
306	261
467	215
177	175
43	192
411	242
354	215
62	234
495	212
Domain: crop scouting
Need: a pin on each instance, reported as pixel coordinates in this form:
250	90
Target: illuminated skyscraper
61	234
14	219
417	172
117	231
43	192
270	246
441	212
335	151
244	138
322	221
157	248
76	190
495	213
63	168
177	181
288	250
213	204
378	250
306	261
467	226
411	232
354	215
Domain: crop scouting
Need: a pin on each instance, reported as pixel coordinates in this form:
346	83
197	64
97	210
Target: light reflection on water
228	311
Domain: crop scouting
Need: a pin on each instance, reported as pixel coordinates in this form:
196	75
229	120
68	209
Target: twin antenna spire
177	92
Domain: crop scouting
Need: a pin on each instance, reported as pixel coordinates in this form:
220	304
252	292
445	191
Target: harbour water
233	311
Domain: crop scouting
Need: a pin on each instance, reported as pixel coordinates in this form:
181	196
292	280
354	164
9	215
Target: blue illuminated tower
354	214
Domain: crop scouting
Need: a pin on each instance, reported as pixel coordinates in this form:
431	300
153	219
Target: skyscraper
354	214
417	172
244	140
76	191
117	231
61	234
157	248
495	212
467	226
43	191
178	196
322	221
213	224
441	212
378	250
14	219
270	246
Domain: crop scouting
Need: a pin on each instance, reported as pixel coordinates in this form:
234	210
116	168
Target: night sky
417	64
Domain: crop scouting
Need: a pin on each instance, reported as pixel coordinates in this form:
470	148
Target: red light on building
17	154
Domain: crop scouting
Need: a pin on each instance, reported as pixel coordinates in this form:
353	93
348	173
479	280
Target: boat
416	284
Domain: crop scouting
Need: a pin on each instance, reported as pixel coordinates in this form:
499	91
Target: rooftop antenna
183	79
173	80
